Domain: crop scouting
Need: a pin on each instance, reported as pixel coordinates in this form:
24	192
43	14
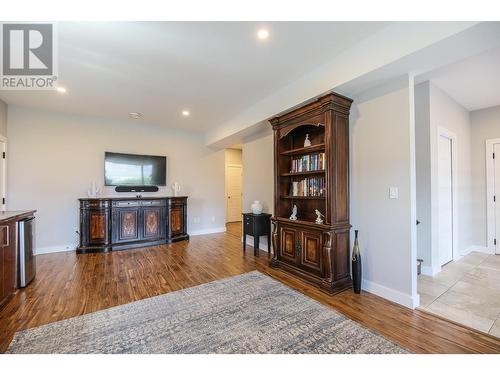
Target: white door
233	192
445	200
496	162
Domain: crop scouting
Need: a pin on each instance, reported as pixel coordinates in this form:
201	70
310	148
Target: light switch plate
394	192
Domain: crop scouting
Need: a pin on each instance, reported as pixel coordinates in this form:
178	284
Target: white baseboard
61	248
55	249
391	294
200	232
479	249
430	271
262	244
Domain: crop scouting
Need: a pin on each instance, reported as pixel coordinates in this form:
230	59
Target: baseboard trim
430	271
72	247
200	232
479	249
55	249
391	294
262	244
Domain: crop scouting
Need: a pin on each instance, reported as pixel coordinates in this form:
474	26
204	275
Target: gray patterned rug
249	313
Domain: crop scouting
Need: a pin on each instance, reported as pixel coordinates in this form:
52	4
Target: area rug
249	313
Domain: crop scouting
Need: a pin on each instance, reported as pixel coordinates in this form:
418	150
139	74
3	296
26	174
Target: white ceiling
473	82
214	69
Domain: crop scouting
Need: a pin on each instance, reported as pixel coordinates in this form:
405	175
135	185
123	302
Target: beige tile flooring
466	291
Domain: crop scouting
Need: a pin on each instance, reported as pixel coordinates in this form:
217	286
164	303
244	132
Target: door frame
3	149
490	192
443	132
226	189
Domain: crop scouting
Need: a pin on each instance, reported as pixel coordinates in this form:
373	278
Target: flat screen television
134	170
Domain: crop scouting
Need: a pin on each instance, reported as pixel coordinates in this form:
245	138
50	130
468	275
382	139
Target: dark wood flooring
68	285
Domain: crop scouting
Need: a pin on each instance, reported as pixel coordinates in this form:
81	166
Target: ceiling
473	82
213	69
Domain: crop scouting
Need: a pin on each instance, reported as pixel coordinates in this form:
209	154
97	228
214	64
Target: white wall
381	156
258	176
54	157
3	118
485	125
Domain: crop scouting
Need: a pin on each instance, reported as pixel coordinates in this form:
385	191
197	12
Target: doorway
233	184
493	193
446	196
234	176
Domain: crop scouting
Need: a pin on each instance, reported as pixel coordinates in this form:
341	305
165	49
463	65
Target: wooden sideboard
123	223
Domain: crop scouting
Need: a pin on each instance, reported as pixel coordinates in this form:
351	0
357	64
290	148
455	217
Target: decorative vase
176	188
256	207
356	265
94	190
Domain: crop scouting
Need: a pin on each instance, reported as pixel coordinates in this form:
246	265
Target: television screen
139	170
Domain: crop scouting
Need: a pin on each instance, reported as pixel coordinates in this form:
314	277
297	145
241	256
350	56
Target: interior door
234	191
496	150
445	200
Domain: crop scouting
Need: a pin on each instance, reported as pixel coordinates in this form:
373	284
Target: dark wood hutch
313	178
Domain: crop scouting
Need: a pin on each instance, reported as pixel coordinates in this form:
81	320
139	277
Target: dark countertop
15	215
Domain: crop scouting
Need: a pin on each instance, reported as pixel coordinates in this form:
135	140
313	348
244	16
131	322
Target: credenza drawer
155	202
126	203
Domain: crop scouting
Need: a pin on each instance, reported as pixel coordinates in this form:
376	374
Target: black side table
257	225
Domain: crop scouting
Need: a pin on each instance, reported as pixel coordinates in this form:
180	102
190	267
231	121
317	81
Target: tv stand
124	223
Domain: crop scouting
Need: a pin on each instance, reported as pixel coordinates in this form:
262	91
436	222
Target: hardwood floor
68	285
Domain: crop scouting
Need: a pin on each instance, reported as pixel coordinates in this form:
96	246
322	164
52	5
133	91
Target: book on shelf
310	162
308	187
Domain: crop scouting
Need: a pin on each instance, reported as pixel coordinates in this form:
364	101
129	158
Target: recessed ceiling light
263	34
185	113
62	90
135	115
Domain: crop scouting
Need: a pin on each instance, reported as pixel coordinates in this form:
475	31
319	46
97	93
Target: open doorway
233	188
446	197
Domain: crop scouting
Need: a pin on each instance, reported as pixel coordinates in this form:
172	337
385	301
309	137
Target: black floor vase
356	265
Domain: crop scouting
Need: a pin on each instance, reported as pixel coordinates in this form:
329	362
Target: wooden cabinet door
177	220
2	289
126	224
98	227
9	259
153	223
288	246
311	246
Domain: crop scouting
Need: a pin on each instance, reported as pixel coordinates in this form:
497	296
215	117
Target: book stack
311	162
308	187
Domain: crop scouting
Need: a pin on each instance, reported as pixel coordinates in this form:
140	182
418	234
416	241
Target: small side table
257	225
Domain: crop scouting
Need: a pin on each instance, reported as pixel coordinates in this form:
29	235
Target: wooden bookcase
318	253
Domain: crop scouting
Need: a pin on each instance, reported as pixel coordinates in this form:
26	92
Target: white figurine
94	190
294	213
307	142
176	188
319	219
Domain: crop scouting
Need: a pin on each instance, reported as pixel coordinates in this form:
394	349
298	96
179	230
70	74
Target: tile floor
466	291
